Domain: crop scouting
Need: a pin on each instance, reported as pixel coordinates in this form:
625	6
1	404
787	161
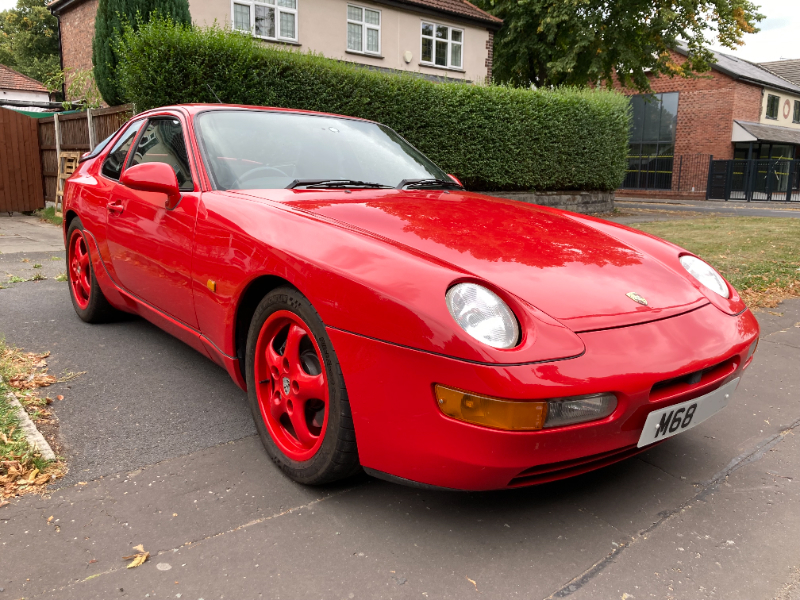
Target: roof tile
456	7
11	80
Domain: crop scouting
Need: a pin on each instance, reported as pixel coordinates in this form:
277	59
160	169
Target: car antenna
213	94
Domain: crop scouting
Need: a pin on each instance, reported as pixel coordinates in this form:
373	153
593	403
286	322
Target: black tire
337	457
98	309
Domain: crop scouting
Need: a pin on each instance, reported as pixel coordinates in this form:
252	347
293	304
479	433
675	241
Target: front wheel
87	297
297	392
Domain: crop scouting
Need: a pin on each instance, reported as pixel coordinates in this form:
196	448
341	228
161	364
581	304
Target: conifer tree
112	16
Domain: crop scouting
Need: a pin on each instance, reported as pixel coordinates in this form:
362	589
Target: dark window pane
637	120
782	151
163	142
427	29
427	50
669	117
652	118
441	53
772	106
265	21
112	167
796	116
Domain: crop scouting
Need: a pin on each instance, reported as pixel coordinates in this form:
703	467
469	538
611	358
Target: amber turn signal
491	412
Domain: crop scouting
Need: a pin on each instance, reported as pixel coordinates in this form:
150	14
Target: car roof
195	109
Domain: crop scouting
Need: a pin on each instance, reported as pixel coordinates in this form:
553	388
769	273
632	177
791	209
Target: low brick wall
588	203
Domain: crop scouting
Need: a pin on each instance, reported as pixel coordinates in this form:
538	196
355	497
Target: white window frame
450	43
251	4
364	27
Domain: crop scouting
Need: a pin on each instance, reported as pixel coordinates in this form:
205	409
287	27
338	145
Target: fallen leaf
473	582
59	397
33	475
94	560
3	503
3	436
139	548
81	483
50	519
138	559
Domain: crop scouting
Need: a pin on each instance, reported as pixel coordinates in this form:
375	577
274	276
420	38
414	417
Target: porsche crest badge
637	298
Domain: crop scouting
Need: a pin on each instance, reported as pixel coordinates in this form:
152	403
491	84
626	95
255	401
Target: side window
163	141
772	106
112	166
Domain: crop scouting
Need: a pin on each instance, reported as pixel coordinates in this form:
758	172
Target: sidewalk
21	233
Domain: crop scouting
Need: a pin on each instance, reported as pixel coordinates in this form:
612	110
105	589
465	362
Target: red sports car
382	317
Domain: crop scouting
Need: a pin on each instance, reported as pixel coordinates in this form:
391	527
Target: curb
34	436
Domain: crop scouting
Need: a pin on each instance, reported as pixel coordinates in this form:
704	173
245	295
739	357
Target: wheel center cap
287	386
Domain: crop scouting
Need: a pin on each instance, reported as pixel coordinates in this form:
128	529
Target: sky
777	39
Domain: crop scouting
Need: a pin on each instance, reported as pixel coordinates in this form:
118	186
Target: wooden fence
79	132
20	174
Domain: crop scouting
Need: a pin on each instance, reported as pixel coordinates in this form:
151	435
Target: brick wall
489	56
77	32
707	106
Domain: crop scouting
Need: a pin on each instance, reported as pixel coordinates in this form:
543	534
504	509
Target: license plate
672	420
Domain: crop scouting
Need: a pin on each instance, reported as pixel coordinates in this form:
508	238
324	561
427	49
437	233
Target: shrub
112	17
490	137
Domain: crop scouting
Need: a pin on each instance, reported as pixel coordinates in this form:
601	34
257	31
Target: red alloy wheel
80	271
292	388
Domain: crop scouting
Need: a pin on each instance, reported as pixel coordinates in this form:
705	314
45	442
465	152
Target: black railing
682	173
755	180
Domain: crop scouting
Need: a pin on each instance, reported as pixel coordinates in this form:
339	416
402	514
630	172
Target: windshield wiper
334	183
414	183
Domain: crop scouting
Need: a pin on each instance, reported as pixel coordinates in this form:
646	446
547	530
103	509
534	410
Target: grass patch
759	256
22	469
48	215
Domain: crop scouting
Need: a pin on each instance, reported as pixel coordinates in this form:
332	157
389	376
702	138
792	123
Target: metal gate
20	171
754	180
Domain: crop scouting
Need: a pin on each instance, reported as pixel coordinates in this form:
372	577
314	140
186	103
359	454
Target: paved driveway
162	452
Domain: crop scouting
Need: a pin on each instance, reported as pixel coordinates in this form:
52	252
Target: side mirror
153	177
454	178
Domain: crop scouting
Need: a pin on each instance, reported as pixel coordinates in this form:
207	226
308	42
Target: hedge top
490	137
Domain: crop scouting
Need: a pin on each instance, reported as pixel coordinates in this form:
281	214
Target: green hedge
490	137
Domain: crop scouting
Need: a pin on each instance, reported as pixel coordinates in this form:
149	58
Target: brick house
439	39
739	110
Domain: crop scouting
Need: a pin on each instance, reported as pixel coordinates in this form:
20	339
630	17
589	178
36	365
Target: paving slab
22	233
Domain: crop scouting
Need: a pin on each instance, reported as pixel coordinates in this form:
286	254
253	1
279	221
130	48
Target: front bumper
401	432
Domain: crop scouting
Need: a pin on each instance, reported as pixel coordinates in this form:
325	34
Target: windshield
249	149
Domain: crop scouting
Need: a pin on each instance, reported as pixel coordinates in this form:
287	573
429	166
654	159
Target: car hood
562	265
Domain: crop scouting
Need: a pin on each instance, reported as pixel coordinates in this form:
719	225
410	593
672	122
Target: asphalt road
162	452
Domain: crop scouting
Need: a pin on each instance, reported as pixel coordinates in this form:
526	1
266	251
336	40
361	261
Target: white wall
24	95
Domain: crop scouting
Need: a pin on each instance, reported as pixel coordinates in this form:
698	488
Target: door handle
115	207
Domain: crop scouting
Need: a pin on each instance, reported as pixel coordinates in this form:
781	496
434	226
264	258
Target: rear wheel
297	392
87	297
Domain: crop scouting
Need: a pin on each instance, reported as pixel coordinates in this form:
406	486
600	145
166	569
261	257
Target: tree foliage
580	42
29	39
112	17
491	137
